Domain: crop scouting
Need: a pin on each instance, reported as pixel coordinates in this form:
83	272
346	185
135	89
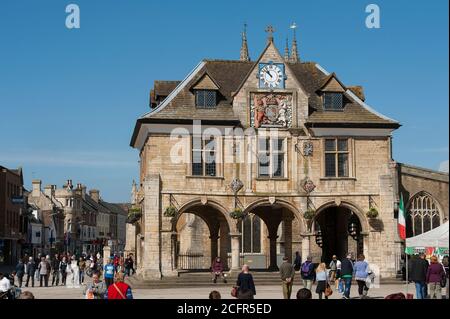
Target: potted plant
372	212
171	211
134	214
237	213
309	213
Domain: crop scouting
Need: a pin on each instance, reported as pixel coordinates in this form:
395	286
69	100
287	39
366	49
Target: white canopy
437	238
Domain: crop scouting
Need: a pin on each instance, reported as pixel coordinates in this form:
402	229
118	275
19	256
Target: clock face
271	75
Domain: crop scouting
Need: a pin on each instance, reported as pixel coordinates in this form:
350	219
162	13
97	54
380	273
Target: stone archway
278	217
342	228
217	234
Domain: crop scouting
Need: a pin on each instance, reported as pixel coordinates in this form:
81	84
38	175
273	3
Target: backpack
306	269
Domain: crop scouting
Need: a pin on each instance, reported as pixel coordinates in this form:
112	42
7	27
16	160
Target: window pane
197	163
343	165
263	144
417	225
333	101
278	165
196	143
436	221
210	144
277	144
342	145
426	223
200	98
256	234
210	169
247	235
330	145
263	164
210	98
330	165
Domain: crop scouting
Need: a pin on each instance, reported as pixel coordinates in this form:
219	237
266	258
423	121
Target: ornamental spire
286	51
294	53
244	46
270	30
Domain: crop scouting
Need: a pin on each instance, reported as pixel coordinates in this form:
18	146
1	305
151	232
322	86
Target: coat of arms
271	110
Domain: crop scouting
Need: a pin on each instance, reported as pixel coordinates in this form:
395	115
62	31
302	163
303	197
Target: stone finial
294	51
270	30
244	47
286	51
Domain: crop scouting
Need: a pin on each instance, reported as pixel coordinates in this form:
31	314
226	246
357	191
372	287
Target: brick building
283	141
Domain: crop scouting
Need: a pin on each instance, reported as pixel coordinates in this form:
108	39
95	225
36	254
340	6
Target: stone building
282	141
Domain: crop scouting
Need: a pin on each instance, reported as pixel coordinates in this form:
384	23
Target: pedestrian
297	261
44	271
445	264
347	275
215	295
119	289
361	272
55	270
95	289
307	273
245	284
63	265
217	270
116	262
304	293
335	271
435	274
287	273
128	264
5	286
20	272
417	272
31	269
82	266
109	272
322	280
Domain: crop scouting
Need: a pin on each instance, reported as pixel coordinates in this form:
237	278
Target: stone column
214	245
224	248
305	247
273	251
287	223
106	254
235	250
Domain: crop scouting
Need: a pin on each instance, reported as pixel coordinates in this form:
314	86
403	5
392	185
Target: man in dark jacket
347	274
307	273
31	269
287	273
417	272
20	272
55	269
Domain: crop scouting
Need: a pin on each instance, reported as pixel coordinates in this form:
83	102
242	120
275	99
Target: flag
401	219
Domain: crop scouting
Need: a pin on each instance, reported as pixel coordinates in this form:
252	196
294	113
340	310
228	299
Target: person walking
445	264
335	271
417	272
31	269
55	270
435	274
20	272
361	273
129	265
108	273
245	284
63	269
287	273
322	280
217	270
95	289
119	289
347	275
297	261
44	271
307	273
82	266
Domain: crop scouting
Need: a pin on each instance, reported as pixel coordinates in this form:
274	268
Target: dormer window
333	101
206	98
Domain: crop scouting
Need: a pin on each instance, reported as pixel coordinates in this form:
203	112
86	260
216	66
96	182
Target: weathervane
293	26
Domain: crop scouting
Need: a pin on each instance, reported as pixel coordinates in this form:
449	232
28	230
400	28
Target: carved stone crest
272	200
203	200
307	148
271	110
308	185
236	185
337	201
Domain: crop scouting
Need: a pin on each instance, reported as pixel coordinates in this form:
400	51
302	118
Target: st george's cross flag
401	219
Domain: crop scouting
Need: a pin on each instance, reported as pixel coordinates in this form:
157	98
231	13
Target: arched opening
423	214
338	231
201	234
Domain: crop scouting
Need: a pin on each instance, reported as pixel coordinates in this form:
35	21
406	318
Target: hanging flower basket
134	214
171	211
237	213
309	214
372	213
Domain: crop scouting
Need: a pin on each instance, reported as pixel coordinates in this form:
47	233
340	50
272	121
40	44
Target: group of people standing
429	277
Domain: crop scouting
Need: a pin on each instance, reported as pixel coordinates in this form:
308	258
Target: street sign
17	199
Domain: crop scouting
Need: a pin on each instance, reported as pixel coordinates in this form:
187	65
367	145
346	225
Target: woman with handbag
361	272
322	280
435	275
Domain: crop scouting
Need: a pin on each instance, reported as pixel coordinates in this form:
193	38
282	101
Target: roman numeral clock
271	75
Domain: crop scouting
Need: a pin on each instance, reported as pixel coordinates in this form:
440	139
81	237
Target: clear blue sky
69	98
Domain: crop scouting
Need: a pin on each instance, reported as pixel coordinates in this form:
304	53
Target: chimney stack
95	194
48	191
36	189
83	191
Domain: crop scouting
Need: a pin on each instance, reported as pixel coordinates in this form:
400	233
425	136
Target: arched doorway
201	233
338	231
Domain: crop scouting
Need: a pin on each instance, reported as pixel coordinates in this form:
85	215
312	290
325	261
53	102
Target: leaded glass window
423	215
333	101
203	157
271	157
336	158
251	234
205	98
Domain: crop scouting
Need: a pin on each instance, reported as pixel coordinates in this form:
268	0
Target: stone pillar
273	251
305	247
224	248
106	254
287	223
214	245
366	246
235	250
151	255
